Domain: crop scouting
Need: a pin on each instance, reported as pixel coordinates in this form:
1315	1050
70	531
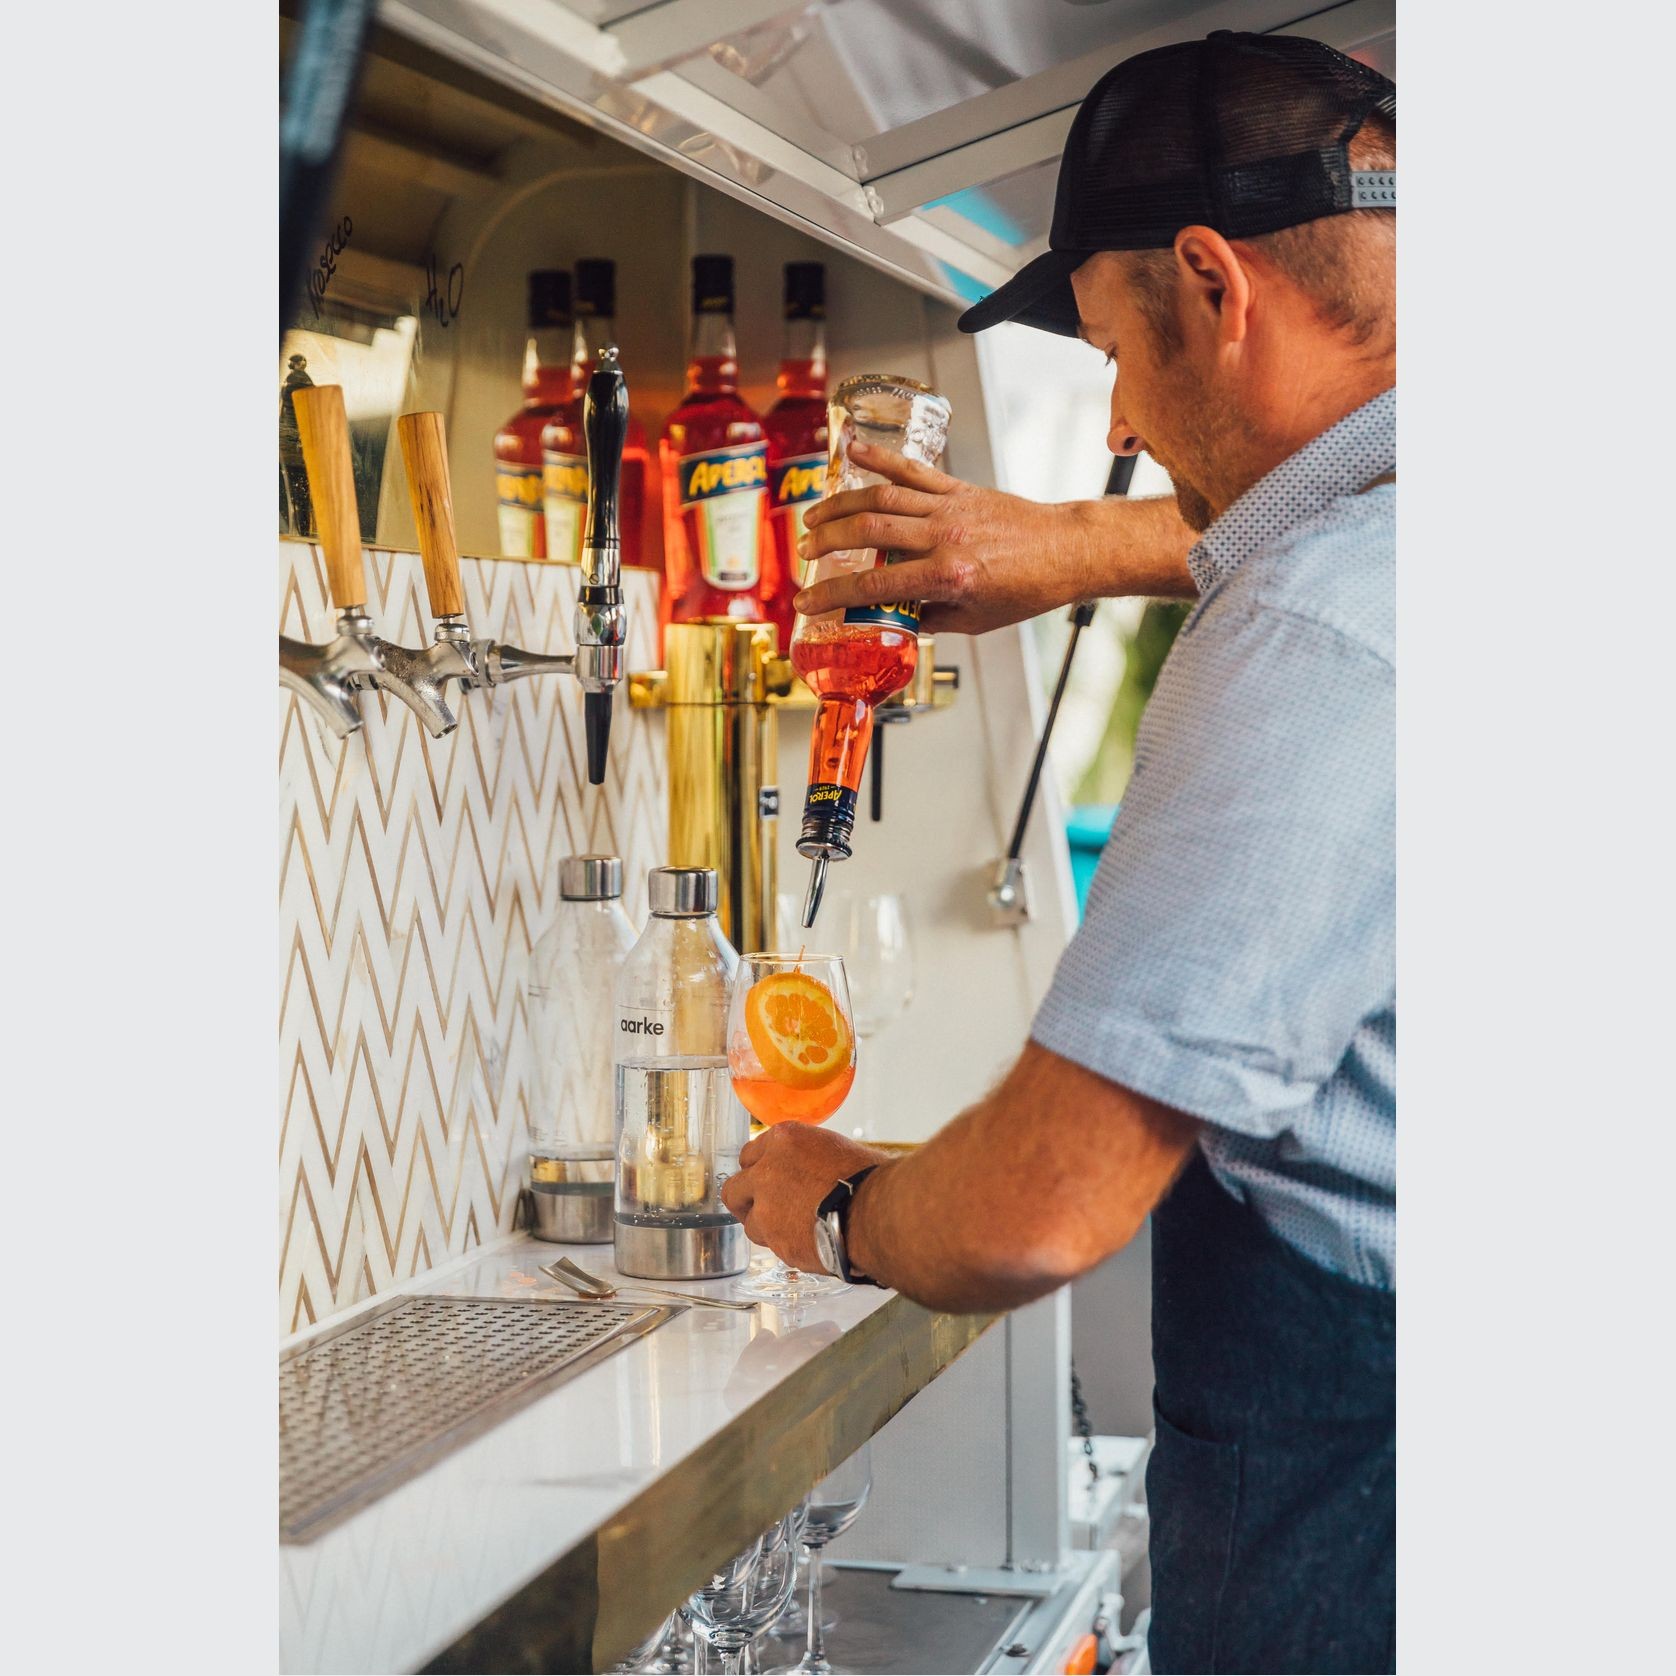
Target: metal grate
362	1410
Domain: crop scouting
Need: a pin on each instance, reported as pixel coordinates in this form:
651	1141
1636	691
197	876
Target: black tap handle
605	415
876	787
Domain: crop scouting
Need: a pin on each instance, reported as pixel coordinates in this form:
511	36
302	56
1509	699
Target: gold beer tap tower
723	687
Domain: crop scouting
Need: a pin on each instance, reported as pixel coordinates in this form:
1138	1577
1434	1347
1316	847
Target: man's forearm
1135	547
1022	1192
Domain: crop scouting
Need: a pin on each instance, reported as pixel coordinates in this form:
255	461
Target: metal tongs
595	1290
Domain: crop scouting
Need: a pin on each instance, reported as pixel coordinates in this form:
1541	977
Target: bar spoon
592	1287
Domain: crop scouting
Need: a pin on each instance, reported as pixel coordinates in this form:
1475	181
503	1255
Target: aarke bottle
679	1125
796	427
564	453
714	456
572	1021
547	385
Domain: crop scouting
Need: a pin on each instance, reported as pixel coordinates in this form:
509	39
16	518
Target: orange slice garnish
799	1034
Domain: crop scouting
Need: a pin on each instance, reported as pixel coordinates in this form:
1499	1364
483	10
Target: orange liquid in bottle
849	667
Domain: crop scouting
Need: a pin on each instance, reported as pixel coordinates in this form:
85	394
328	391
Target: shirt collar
1345	458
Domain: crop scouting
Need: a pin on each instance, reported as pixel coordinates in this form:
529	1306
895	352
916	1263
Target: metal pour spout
817	889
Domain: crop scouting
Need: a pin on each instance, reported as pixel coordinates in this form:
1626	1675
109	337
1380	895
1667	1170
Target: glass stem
733	1660
814	1653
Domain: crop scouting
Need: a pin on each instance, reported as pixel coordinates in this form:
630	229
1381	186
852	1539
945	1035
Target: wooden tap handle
324	431
425	454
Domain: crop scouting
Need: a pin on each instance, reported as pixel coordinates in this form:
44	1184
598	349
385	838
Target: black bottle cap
712	285
596	288
549	298
805	291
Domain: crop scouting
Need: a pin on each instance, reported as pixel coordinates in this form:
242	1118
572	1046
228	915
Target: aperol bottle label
518	498
726	489
564	488
829	815
904	616
794	485
836	800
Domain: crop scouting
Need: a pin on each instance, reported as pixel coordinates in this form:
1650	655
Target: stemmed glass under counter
830	1509
747	1595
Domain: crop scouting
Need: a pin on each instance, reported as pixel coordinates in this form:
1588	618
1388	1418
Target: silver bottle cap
591	878
682	892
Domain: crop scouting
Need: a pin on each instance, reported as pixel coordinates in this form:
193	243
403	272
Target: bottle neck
547	366
713	369
594	333
803	359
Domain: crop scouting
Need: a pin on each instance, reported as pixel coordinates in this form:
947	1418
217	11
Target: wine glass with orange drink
791	1053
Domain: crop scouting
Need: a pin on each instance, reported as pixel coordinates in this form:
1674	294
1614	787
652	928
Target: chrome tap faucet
417	676
601	622
329	677
488	663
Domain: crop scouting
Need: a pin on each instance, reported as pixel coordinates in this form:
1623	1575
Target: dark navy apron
1272	1484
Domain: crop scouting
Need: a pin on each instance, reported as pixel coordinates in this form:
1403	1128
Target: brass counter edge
587	1608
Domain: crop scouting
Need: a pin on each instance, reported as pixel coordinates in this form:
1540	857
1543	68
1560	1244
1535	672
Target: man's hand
984	559
783	1176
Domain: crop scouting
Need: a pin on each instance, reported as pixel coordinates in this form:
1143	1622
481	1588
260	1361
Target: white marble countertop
400	1580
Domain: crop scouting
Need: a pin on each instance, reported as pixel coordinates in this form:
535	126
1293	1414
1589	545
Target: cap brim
1038	295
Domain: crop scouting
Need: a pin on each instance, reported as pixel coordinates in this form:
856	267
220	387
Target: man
1218	1045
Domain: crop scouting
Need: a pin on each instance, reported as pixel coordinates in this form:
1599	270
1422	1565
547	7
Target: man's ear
1215	281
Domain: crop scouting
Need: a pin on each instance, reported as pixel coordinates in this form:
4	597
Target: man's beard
1194	508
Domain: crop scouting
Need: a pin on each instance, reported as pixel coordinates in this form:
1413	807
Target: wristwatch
830	1221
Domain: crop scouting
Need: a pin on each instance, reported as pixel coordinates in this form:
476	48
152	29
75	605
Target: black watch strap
840	1199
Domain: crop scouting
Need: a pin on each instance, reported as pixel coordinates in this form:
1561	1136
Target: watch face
827	1246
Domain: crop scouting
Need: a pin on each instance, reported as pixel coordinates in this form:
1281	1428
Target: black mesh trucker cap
1243	133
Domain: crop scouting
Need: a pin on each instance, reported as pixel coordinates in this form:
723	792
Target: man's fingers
737	1195
753	1149
888	584
885	584
876	497
900	469
866	530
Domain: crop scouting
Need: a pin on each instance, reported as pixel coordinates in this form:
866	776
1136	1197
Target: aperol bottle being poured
853	658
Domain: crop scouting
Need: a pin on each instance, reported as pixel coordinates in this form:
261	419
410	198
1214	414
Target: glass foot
789	1286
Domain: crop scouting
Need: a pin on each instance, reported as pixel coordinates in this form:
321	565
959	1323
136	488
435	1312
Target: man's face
1160	400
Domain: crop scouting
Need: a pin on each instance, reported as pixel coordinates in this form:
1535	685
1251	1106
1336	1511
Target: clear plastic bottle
573	974
679	1125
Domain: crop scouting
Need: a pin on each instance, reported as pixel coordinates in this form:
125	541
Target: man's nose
1120	439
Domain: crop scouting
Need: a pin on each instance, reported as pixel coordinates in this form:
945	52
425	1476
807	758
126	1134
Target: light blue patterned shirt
1237	959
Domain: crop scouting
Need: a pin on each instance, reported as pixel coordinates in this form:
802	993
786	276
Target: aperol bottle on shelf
518	442
852	658
715	470
564	453
796	426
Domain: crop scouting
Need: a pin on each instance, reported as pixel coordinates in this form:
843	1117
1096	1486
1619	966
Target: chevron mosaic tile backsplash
414	876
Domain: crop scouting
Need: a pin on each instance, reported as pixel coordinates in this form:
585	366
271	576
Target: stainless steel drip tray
364	1408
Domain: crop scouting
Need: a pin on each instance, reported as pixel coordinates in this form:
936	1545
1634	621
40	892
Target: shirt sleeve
1241	923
